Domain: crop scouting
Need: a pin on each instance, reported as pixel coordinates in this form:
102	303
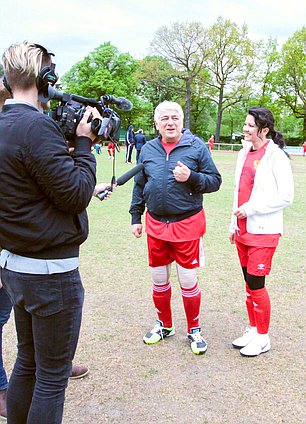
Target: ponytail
264	119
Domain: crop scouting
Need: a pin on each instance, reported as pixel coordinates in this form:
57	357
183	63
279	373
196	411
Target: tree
183	44
157	82
104	71
230	64
289	80
267	55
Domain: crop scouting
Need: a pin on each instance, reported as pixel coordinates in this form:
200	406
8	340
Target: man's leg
47	330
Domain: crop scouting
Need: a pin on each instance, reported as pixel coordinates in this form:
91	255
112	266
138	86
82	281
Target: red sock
162	302
262	309
192	303
250	306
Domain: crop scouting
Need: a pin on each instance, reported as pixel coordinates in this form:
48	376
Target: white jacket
273	190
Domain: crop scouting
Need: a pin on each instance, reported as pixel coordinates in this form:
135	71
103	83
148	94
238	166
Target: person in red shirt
211	142
178	169
111	150
264	187
304	148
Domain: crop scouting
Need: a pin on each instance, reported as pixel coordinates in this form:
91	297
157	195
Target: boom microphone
120	102
130	174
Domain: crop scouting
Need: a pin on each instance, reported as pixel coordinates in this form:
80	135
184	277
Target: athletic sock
262	309
162	301
192	304
250	306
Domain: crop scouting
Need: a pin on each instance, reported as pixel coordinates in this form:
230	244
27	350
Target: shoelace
158	329
197	337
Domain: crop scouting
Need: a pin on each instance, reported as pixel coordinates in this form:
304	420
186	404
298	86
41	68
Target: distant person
304	148
140	141
211	142
111	150
264	187
129	143
98	149
178	170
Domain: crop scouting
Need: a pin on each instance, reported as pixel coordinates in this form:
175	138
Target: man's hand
99	188
84	127
181	172
137	230
232	238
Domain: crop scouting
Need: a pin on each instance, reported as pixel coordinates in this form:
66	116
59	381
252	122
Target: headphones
46	76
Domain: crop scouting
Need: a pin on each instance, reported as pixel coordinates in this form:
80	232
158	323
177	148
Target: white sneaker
259	344
247	336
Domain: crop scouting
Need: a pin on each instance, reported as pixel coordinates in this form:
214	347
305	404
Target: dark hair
264	119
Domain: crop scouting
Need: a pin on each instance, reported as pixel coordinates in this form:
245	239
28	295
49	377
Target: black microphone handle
129	174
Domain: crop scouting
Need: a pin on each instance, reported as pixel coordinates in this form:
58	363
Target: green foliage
289	81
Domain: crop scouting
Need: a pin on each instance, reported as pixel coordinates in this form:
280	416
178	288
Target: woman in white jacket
263	187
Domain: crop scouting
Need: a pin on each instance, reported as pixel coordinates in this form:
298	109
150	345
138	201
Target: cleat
157	333
197	343
259	344
247	336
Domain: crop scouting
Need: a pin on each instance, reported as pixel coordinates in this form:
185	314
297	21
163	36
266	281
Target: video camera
72	108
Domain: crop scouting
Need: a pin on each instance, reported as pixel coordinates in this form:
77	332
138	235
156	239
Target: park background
216	59
130	382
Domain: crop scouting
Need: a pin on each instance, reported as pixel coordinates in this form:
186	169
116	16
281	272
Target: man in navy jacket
178	169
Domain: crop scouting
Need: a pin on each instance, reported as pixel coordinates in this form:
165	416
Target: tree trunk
188	99
304	127
219	118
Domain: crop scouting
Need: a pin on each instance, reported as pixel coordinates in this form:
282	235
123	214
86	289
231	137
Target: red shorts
257	260
188	254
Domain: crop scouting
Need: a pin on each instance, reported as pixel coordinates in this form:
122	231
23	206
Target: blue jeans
5	312
48	313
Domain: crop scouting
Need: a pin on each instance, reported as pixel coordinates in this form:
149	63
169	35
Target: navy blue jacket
156	188
140	141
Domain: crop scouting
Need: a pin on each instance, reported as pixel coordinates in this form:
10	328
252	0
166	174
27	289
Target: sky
74	28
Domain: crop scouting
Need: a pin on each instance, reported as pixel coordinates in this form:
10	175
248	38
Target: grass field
130	382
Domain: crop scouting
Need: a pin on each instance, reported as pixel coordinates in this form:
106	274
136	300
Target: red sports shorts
257	260
188	254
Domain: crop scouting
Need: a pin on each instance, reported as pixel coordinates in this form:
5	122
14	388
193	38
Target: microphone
130	174
121	180
120	102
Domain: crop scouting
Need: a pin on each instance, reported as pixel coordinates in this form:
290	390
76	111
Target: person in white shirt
264	187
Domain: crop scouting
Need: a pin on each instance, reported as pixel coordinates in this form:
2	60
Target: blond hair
22	63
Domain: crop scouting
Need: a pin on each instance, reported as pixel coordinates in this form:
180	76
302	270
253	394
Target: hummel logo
194	262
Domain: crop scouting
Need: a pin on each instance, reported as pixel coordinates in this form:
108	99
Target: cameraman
44	192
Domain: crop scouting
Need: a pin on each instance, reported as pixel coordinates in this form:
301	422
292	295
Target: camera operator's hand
99	188
84	127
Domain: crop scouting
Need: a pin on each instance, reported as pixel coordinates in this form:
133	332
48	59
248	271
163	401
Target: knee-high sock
262	309
162	301
250	306
192	304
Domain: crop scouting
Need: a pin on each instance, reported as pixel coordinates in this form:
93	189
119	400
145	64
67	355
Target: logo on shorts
261	266
194	262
